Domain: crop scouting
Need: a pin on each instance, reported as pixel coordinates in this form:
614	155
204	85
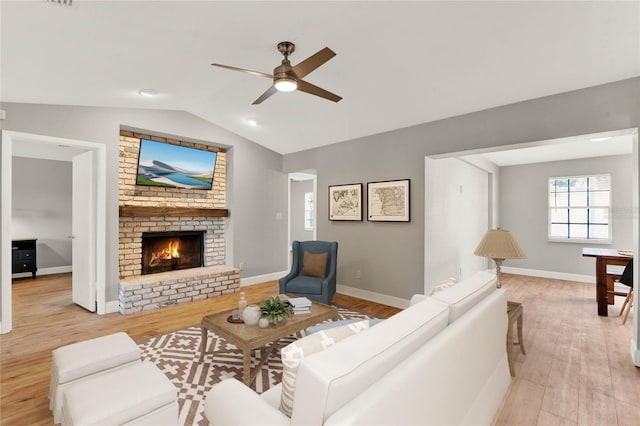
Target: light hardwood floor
46	318
577	368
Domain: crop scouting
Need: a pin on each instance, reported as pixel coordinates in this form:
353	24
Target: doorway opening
88	224
303	208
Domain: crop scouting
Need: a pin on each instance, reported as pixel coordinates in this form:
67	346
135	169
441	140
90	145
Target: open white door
83	229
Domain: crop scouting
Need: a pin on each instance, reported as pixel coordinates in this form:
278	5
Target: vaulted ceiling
398	63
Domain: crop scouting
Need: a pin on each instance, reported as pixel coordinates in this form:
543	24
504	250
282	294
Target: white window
580	208
309	217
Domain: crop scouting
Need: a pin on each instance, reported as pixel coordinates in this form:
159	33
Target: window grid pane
579	207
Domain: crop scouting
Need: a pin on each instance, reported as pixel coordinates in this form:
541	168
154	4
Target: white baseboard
111	307
262	278
550	274
384	299
635	350
44	271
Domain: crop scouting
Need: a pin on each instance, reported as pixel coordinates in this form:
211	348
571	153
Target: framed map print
345	202
388	201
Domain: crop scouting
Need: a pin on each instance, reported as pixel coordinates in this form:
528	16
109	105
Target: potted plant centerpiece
274	309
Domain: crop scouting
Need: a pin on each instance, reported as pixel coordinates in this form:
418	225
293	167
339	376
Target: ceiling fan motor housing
286	48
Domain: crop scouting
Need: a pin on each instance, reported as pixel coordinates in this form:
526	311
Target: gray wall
41	208
523	211
391	255
257	188
298	189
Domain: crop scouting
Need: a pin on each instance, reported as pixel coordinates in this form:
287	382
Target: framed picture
388	201
345	202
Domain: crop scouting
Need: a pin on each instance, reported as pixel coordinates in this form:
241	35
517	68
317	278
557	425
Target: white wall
41	208
298	189
456	217
524	204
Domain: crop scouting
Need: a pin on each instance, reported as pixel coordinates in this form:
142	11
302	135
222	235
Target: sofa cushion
466	293
314	265
295	352
304	285
329	379
332	324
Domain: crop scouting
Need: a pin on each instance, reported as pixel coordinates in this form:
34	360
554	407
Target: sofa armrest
227	402
416	298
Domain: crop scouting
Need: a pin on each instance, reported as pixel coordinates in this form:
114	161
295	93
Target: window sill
578	241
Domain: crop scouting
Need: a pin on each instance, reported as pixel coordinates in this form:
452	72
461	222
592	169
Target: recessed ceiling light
252	123
149	93
606	138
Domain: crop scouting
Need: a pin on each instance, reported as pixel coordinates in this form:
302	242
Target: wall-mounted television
174	166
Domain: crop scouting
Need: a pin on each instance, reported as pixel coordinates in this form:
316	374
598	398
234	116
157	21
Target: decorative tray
232	321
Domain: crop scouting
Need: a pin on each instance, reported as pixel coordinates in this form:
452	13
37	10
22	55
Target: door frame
100	152
83	231
304	175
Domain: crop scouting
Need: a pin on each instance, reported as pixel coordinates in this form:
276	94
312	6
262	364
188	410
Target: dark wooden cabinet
23	254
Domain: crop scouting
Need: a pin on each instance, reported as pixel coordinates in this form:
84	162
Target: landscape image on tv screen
175	166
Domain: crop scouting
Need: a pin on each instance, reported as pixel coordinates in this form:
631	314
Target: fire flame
171	251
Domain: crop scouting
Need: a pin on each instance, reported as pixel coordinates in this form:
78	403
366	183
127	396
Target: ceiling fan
287	78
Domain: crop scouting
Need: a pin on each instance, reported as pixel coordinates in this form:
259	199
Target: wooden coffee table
250	337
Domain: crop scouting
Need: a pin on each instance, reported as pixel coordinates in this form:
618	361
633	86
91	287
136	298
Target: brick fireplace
166	212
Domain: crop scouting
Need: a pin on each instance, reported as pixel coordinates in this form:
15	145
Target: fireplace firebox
168	251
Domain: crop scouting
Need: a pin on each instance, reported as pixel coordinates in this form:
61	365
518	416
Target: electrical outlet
358	274
241	266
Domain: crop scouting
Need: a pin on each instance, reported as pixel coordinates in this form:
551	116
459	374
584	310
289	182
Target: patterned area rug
176	354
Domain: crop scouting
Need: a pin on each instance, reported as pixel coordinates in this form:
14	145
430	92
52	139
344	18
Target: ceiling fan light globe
286	85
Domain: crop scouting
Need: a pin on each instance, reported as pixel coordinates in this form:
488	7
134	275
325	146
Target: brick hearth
146	292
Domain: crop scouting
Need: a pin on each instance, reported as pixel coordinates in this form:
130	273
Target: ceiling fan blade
270	91
313	62
258	73
303	86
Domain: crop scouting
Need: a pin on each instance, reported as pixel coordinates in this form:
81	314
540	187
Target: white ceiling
589	147
397	64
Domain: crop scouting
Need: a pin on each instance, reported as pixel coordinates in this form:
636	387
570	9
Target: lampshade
499	244
286	84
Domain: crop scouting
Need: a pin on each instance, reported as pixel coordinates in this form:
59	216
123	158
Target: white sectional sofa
442	361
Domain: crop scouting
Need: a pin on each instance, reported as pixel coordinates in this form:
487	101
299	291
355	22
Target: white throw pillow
449	282
294	353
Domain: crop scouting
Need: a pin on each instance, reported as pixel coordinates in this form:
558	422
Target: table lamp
499	244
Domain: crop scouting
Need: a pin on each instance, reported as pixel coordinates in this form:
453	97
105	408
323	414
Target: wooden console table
604	257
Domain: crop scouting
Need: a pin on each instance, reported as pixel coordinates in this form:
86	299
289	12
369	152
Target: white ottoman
79	361
136	395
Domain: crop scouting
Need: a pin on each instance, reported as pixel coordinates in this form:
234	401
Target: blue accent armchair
319	289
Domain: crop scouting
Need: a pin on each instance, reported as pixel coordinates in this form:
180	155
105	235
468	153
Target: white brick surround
193	284
132	228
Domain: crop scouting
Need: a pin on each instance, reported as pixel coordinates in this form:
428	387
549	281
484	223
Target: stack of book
300	305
